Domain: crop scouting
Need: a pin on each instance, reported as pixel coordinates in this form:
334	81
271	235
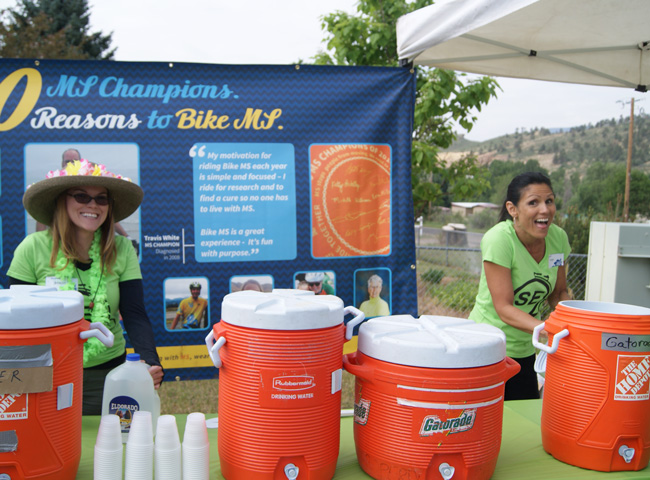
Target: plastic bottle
127	389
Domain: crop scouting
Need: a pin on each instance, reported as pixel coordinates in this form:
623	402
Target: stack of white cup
167	449
139	448
196	448
108	449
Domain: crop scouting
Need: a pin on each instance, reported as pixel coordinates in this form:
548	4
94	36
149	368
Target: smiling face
195	293
374	289
90	216
534	212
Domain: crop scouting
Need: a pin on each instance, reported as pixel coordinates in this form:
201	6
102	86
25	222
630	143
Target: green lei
65	270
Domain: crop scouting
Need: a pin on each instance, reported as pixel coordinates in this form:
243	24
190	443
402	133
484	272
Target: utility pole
628	170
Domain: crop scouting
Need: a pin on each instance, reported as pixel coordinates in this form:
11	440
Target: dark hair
517	185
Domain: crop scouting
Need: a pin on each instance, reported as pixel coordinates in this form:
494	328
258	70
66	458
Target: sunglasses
314	284
85	199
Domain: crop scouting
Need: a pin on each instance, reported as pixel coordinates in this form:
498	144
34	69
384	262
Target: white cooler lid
26	307
282	309
432	341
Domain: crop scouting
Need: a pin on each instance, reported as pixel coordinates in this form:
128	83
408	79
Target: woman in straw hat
81	203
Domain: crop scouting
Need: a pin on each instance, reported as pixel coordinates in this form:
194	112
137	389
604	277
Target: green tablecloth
521	456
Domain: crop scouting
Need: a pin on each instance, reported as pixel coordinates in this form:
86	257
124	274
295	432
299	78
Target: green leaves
444	98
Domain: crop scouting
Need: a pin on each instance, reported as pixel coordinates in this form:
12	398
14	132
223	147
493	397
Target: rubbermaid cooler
42	333
429	397
280	359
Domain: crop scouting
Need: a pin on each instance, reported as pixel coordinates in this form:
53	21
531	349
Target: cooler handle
556	339
351	365
100	332
213	348
512	368
349	328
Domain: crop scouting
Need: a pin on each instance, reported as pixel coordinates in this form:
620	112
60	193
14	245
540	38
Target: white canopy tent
595	42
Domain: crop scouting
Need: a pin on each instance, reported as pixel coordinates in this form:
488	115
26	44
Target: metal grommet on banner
171	65
297	67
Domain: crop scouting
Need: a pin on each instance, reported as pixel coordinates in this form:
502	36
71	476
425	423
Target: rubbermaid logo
293	382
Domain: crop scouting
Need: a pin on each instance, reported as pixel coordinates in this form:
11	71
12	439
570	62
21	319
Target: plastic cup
108	450
167	449
196	448
196	431
109	435
139	448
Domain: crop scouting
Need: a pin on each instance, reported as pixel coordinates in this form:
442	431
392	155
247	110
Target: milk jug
127	389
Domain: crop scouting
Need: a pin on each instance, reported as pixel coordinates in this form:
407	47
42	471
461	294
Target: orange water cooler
429	397
42	333
280	360
596	403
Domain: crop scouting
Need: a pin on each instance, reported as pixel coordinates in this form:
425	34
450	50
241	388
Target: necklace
91	305
100	311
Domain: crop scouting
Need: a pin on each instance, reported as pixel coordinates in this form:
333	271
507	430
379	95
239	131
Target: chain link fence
449	269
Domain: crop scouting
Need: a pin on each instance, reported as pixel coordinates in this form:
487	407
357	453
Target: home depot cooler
42	333
596	406
280	366
429	397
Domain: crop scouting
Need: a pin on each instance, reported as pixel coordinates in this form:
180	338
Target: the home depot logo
13	406
632	378
293	382
434	424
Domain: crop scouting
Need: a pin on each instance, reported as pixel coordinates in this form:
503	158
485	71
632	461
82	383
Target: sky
286	31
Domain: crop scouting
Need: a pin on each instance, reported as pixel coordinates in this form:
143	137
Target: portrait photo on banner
372	291
320	282
256	283
119	158
186	304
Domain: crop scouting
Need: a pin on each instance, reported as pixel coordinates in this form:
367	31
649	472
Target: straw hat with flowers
40	197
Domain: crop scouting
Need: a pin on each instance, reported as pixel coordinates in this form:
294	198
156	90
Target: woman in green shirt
81	203
524	265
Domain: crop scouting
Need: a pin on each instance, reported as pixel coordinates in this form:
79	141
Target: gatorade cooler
429	397
596	406
280	360
42	333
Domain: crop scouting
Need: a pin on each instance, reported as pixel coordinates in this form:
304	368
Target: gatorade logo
632	378
13	406
294	382
361	411
433	424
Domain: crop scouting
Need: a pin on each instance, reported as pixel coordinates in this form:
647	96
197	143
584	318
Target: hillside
573	148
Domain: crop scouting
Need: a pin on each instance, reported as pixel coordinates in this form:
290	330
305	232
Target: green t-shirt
31	263
532	282
375	307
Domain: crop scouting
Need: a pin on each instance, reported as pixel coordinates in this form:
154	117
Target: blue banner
255	177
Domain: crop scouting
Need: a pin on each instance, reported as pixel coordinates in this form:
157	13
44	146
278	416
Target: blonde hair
62	231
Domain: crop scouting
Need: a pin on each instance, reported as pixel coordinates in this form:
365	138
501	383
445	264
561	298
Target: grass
189	396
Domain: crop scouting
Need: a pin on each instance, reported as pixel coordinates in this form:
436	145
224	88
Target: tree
602	185
443	99
51	29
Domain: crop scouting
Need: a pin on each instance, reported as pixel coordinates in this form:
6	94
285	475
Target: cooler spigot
626	452
446	470
291	471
